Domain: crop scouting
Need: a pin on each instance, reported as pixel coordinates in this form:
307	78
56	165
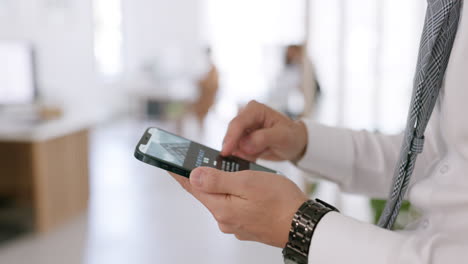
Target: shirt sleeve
341	239
359	161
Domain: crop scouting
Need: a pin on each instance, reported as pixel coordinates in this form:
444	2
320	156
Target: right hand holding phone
261	132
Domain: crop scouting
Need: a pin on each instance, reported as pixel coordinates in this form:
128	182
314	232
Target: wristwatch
302	228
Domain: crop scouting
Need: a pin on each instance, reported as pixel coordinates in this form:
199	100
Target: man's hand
261	132
252	205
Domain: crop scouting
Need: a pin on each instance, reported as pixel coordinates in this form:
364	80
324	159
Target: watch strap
303	226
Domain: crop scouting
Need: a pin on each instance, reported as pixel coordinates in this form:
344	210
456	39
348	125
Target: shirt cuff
329	152
341	239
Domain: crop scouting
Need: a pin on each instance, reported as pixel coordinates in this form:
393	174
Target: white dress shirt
363	162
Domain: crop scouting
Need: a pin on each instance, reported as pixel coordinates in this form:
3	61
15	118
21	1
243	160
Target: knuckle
252	103
241	237
225	229
221	218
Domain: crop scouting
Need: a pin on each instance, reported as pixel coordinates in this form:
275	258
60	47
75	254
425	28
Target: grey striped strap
437	39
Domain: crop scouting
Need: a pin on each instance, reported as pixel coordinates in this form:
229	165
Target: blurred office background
80	80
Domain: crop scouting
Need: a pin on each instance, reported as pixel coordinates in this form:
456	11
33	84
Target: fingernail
196	177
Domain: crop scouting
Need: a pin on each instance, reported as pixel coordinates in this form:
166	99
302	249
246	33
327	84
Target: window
108	37
365	52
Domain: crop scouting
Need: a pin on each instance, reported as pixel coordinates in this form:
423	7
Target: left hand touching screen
252	205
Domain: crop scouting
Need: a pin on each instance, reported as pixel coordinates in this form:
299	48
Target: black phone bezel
162	164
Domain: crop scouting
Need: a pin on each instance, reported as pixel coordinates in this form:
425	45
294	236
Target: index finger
183	181
250	118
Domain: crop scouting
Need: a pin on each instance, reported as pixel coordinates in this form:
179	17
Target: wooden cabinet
51	177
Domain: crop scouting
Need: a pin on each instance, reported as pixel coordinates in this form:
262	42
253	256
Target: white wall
63	37
157	29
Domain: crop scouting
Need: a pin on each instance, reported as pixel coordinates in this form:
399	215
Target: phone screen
189	155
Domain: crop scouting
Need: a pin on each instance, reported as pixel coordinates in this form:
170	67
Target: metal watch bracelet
302	228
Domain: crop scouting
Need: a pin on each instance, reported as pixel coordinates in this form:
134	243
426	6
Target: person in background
296	88
208	87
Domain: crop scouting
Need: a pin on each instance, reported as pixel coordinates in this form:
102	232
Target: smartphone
180	155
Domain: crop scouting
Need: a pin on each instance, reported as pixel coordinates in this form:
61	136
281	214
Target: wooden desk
45	168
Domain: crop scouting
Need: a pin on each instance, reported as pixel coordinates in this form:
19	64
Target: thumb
215	181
